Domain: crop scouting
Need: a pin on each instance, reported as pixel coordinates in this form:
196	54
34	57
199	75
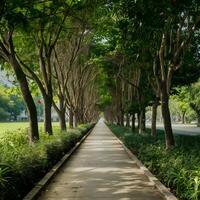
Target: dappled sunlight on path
101	169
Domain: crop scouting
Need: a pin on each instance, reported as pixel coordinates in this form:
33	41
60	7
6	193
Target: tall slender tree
12	20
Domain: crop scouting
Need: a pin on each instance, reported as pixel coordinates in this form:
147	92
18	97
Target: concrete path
101	170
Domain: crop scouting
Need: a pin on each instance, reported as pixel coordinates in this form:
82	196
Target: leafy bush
178	168
21	165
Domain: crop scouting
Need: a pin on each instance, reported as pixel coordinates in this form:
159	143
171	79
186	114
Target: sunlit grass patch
17	126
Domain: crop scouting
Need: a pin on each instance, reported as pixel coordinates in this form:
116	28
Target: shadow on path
101	169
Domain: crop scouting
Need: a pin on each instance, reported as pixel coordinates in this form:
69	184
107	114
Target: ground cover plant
22	165
177	168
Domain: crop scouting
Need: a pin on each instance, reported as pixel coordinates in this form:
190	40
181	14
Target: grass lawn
14	126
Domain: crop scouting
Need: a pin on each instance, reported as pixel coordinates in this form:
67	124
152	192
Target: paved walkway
101	170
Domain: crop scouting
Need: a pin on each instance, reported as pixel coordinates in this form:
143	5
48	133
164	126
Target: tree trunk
127	120
33	122
71	119
119	106
62	120
142	121
32	112
138	120
75	118
169	138
121	118
47	116
81	110
62	113
133	122
153	120
183	117
118	120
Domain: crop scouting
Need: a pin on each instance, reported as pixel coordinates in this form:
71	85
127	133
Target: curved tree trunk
61	111
32	112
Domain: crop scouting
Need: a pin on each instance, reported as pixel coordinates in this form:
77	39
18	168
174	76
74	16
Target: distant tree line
11	104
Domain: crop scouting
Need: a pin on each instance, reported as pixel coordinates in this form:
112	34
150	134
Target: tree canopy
87	57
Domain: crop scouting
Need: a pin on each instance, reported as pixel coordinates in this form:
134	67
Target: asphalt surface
182	129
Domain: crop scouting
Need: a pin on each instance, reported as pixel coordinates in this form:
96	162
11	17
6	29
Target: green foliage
185	99
179	102
178	168
194	96
11	104
22	165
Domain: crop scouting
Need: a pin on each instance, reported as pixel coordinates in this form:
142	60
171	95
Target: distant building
54	115
23	116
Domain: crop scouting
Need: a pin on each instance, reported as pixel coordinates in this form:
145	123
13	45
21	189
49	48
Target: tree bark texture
167	118
127	120
153	120
47	116
62	120
142	121
76	119
138	120
71	119
62	113
26	93
133	122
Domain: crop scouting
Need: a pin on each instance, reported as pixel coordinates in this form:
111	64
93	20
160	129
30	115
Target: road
181	129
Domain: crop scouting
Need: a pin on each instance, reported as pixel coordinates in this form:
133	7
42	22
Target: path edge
162	188
41	185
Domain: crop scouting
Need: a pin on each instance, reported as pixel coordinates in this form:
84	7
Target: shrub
23	165
178	168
